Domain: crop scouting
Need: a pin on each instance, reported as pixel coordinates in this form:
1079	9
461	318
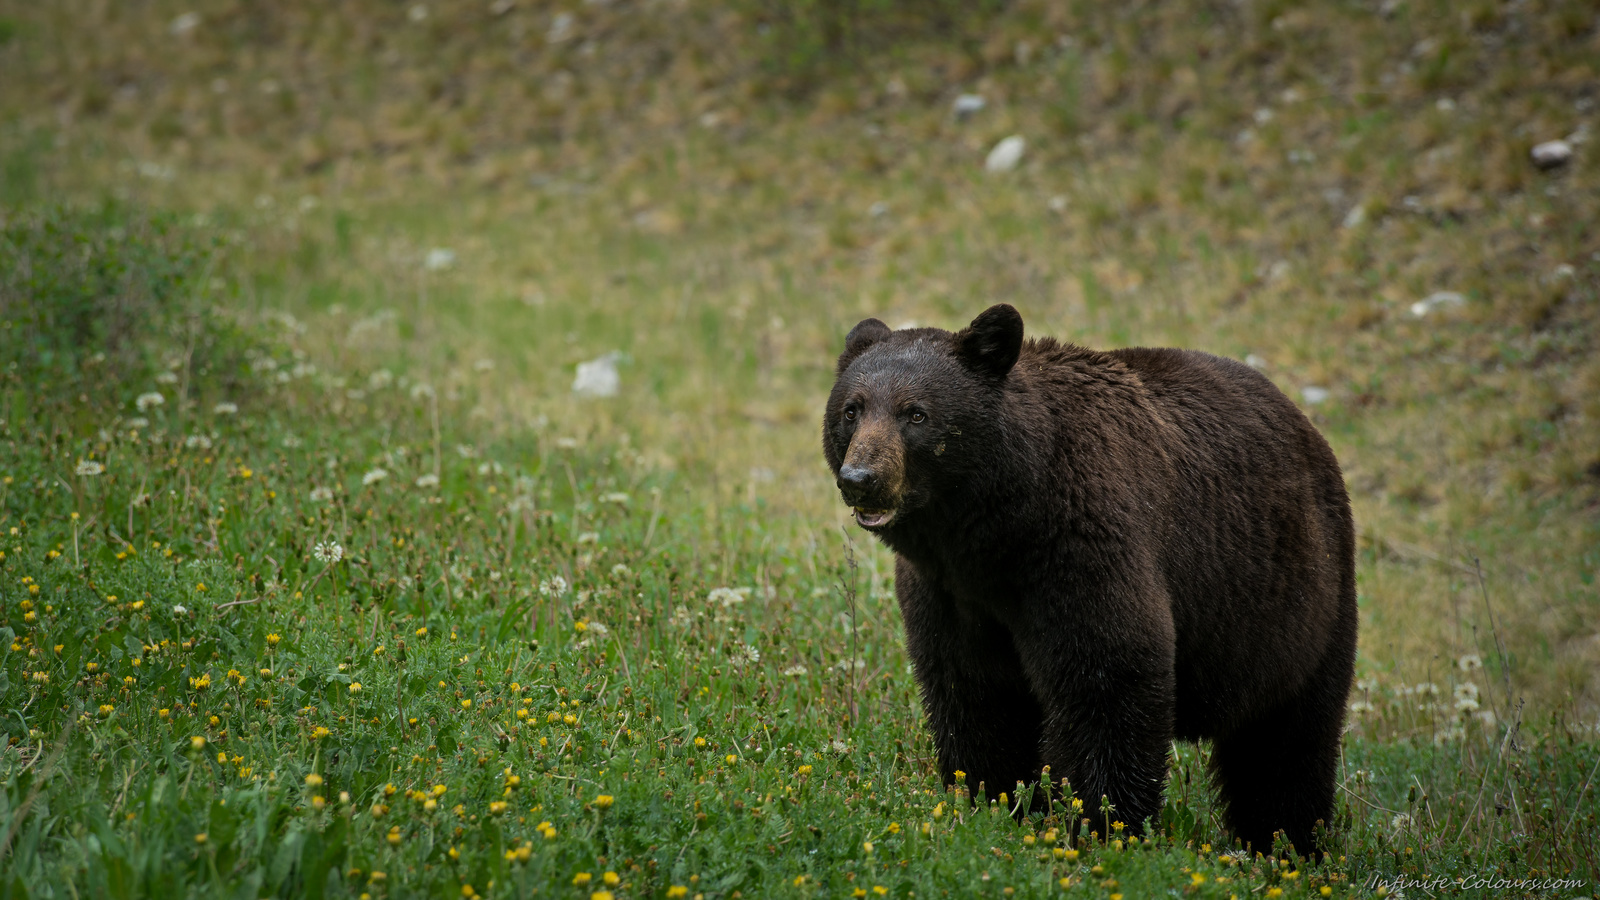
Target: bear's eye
918	417
849	413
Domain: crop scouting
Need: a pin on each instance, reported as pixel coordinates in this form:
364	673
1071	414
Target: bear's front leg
983	716
1103	673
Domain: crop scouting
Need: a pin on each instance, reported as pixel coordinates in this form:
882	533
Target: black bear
1099	552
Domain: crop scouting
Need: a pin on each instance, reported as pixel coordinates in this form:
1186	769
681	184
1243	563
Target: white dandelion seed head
226	409
1470	662
138	422
617	497
148	401
422	392
380	379
728	596
597	630
197	442
373	477
321	495
439	258
743	654
620	570
429	480
554	586
1401	820
328	552
796	671
167	378
88	467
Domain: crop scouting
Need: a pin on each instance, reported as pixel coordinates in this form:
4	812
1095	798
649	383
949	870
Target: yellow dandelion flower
677	892
313	780
581	879
604	801
611	879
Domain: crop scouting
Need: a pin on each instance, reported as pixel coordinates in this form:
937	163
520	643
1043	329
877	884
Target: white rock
1436	300
1551	154
598	377
185	23
967	104
560	28
1314	395
1006	154
1355	216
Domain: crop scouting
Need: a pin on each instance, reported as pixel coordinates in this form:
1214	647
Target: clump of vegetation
322	634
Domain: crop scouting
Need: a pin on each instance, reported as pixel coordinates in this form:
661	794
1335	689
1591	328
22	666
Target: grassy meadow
320	580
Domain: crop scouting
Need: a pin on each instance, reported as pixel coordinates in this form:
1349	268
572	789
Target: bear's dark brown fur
1099	552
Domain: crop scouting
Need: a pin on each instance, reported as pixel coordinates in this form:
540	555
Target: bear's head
910	411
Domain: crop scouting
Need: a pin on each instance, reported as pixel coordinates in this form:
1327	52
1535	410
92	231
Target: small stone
1006	154
1437	300
1314	395
185	23
561	28
969	104
878	210
1356	216
1551	154
598	377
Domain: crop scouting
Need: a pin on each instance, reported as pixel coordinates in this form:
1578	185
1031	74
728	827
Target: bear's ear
992	343
866	333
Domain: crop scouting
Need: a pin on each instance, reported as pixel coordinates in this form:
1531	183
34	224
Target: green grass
198	700
262	189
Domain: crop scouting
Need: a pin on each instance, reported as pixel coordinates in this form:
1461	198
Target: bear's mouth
873	518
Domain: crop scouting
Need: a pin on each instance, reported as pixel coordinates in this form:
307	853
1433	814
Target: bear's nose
856	483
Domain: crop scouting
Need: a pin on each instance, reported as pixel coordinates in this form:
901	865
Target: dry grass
646	184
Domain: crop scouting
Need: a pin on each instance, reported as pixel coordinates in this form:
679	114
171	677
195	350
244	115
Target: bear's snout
857	484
